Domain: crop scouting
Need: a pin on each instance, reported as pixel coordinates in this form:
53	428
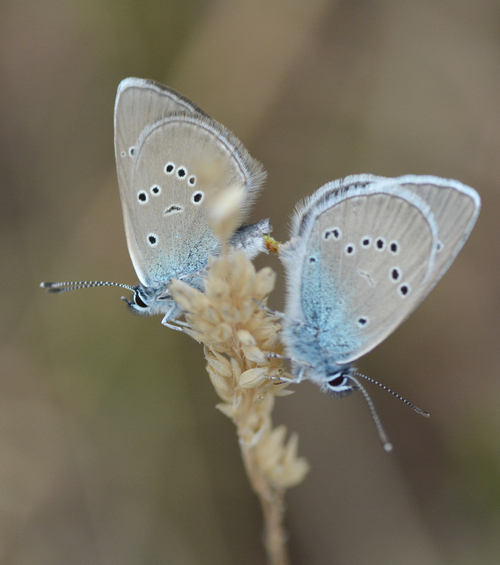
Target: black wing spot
394	247
152	240
395	274
404	290
142	196
197	197
335	232
169	168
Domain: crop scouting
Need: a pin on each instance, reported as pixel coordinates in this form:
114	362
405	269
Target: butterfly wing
365	255
455	207
165	223
140	102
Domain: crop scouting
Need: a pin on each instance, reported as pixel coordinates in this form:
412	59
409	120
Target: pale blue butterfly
364	252
162	142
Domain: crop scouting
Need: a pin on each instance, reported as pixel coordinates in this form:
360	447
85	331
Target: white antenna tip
387	447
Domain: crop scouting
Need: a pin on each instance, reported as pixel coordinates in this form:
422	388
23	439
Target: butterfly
163	143
364	251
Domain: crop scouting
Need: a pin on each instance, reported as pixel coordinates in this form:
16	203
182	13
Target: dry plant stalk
238	334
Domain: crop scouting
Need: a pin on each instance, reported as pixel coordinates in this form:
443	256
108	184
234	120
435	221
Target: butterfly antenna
416	408
386	444
58	287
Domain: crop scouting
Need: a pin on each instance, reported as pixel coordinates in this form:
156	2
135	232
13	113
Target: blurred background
111	450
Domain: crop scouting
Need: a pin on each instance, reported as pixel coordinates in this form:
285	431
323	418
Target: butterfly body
364	252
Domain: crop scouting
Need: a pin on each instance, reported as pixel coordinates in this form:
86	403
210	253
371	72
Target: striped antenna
417	410
58	287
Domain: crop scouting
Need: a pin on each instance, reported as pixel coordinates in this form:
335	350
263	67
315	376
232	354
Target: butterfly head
150	301
339	383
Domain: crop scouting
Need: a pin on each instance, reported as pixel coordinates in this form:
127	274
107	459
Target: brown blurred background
111	450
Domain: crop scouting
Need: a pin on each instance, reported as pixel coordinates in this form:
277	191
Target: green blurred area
111	448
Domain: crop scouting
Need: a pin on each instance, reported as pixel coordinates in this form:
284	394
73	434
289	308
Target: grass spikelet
239	335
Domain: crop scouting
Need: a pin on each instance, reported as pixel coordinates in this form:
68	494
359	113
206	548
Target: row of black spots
181	172
380	243
143	197
395	276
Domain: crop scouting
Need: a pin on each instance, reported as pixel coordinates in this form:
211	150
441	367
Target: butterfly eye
341	384
139	301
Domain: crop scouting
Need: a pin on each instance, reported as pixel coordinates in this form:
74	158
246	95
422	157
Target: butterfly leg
174	326
300	376
166	323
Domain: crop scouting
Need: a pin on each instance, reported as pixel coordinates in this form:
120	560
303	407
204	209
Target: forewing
140	102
